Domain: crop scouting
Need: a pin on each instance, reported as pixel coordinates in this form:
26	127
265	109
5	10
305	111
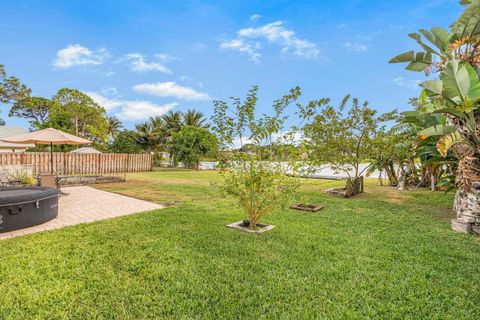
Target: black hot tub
23	207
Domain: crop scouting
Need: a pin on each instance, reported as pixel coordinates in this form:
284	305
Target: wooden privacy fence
77	163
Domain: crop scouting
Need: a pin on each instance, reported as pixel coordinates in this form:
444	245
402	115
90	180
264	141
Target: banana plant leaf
437	130
468	24
460	81
433	87
447	141
417	62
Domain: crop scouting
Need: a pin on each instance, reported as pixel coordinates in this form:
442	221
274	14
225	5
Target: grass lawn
385	255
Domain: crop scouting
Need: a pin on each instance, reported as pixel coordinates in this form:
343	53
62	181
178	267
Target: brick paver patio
86	204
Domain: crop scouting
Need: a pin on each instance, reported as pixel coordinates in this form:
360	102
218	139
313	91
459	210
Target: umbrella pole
51	157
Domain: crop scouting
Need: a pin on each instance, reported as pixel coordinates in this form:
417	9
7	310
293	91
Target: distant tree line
185	136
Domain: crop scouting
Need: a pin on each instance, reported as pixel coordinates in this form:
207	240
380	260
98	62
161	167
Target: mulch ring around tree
244	226
306	207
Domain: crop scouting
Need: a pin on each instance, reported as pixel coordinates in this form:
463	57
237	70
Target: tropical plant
460	43
258	185
114	126
194	118
191	144
173	121
147	136
456	95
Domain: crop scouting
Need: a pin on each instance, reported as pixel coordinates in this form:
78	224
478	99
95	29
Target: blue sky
142	58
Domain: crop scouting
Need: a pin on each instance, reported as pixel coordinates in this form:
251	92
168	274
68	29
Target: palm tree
194	118
172	121
114	126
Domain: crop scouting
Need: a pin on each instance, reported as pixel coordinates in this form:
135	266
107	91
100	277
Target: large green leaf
440	108
437	130
418	61
460	82
403	57
443	38
456	82
468	24
474	90
418	38
430	37
433	87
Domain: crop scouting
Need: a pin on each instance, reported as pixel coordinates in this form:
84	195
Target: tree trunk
402	180
413	172
432	180
380	179
467	206
251	215
392	177
354	186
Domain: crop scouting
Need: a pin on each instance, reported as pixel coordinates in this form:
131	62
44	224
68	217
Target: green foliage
154	134
114	126
79	114
343	137
23	177
35	109
124	142
11	89
255	177
191	144
458	44
456	95
194	118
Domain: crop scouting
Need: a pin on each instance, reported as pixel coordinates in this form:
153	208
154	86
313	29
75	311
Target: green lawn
384	255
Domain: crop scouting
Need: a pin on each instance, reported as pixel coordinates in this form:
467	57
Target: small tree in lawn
342	137
253	174
191	144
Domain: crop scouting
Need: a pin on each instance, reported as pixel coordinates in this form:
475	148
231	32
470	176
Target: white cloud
247	41
137	63
407	83
171	89
77	55
255	17
250	49
103	101
129	109
165	57
355	47
140	109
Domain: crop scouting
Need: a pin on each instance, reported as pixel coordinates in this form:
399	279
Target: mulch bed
306	207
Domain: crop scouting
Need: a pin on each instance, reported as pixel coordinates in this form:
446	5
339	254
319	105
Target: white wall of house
10	149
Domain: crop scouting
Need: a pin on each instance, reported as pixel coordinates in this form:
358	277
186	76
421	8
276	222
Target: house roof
85	150
8	131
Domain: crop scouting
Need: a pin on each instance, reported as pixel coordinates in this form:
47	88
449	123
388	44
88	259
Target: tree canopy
191	144
11	89
35	109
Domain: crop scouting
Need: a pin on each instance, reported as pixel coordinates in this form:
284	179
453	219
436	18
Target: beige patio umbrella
47	136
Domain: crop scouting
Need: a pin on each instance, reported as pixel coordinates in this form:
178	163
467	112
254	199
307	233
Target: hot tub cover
12	195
